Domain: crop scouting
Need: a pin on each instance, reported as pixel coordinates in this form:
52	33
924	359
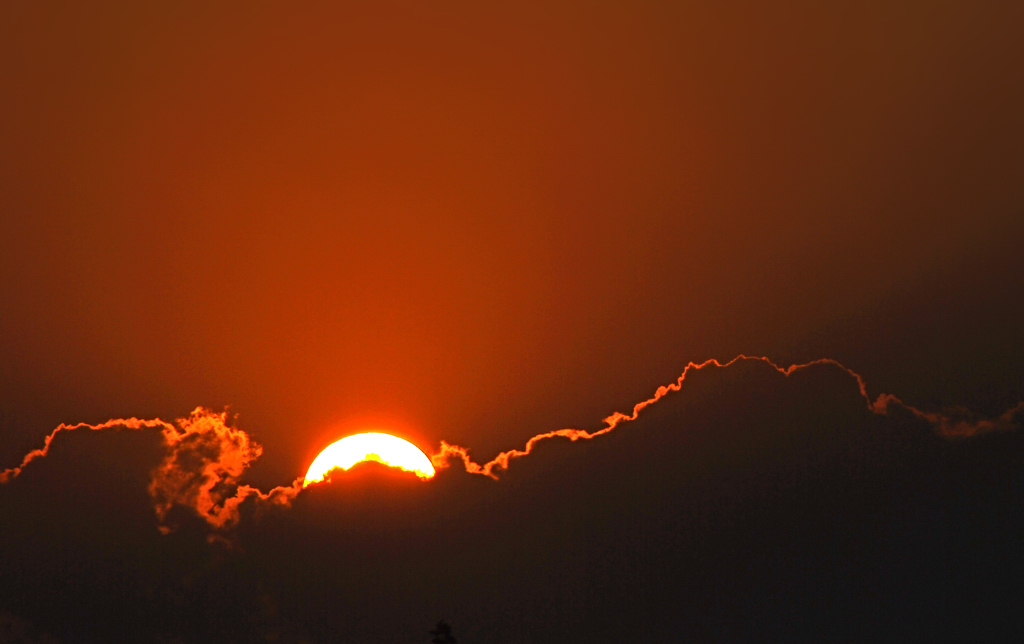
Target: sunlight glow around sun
371	446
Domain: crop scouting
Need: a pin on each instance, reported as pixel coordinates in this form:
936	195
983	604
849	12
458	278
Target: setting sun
371	446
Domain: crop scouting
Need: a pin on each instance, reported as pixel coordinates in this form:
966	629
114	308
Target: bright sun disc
371	446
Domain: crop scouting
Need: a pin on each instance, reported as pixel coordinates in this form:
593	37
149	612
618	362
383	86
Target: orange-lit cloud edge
224	452
882	405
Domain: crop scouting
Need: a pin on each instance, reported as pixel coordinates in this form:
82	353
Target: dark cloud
748	504
954	422
14	630
204	456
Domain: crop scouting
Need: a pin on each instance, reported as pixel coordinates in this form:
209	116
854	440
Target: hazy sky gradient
475	223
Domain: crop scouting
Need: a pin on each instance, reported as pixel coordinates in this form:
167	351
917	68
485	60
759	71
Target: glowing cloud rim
369	446
205	455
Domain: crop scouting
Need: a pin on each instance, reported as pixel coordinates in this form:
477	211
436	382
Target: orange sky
476	223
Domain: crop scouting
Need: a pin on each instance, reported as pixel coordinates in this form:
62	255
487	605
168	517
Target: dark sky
474	223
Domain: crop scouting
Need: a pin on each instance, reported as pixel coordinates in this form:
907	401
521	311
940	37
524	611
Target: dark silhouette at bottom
443	634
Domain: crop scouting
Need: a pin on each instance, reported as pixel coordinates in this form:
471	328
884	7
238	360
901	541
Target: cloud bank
742	501
205	457
203	461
